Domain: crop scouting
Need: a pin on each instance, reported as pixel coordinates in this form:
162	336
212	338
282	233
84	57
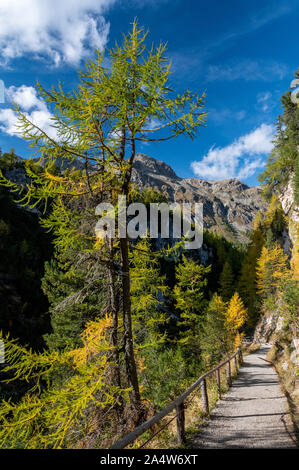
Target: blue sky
242	54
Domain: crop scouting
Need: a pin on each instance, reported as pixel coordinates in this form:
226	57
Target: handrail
178	404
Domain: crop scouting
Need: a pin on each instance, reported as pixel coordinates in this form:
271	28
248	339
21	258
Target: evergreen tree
226	281
247	287
9	160
189	295
77	293
274	221
214	341
147	290
269	239
281	162
24	248
221	251
296	180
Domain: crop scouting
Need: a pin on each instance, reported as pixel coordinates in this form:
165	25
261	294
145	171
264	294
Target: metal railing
178	404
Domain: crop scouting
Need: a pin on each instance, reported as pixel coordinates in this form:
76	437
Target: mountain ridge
229	206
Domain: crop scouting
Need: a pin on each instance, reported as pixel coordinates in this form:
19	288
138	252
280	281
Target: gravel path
253	413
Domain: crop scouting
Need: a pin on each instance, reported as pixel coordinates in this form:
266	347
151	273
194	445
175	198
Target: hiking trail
253	413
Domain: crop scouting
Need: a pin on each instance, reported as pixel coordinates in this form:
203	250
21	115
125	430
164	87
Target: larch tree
214	341
272	269
246	286
52	415
236	315
96	130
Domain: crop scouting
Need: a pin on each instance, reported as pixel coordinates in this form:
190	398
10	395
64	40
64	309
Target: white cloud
60	30
34	108
26	97
240	159
247	70
8	121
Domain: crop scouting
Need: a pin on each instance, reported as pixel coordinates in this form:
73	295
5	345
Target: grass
195	418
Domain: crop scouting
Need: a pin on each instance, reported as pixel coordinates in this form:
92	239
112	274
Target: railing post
240	356
228	374
204	396
236	363
218	382
180	408
180	422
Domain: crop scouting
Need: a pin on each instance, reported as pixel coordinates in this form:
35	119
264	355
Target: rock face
229	206
289	207
270	324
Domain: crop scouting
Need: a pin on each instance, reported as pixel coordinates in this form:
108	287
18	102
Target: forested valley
101	333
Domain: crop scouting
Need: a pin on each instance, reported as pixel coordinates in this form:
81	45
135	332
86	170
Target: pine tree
147	290
274	221
281	162
190	301
77	293
24	248
246	286
214	341
227	281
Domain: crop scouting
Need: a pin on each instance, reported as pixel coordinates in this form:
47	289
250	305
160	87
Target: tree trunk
131	369
128	336
114	308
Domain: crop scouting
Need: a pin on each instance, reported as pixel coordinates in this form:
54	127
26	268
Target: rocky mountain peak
146	164
230	184
229	205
